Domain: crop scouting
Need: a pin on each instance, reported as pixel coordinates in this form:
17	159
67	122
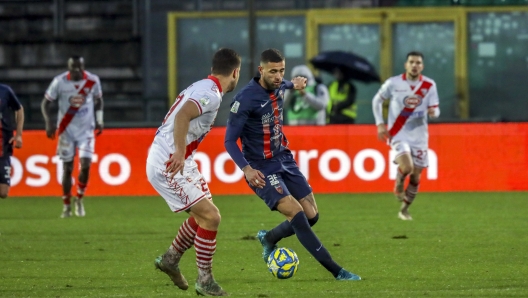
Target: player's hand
175	164
255	177
383	134
431	112
50	131
299	83
17	140
98	129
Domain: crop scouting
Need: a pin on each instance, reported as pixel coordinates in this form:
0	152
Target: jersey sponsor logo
77	100
204	101
234	108
412	101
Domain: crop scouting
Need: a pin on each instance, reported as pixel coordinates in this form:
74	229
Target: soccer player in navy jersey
268	165
11	119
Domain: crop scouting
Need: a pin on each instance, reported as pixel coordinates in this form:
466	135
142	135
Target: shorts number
7	172
420	154
204	185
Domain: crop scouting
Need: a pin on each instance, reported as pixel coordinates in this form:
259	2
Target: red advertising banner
335	159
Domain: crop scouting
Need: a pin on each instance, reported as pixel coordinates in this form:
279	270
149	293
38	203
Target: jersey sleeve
385	90
97	88
240	110
53	90
13	101
433	100
205	101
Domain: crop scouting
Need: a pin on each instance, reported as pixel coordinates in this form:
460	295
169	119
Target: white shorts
419	155
182	192
66	147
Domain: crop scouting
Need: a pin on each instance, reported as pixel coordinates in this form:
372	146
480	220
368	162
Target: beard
269	84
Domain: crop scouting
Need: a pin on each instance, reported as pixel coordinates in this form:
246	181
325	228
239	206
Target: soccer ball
283	263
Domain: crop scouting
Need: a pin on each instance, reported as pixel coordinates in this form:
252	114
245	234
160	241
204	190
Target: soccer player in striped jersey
11	119
413	97
80	99
256	119
173	172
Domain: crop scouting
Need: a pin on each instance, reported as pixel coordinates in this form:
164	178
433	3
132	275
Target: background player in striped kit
413	98
11	119
80	99
174	174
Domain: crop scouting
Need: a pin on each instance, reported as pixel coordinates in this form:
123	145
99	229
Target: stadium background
475	50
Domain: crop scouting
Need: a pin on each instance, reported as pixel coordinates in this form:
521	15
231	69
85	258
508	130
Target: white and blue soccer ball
283	263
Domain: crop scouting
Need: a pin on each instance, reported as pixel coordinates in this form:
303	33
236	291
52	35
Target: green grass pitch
458	245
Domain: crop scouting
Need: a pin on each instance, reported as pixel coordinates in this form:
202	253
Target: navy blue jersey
8	105
256	118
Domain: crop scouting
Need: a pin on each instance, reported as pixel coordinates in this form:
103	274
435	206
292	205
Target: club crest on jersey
424	91
234	107
412	101
204	101
76	100
278	188
281	92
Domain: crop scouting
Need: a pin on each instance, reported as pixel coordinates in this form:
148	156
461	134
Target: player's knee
213	217
67	167
3	194
312	221
85	164
406	169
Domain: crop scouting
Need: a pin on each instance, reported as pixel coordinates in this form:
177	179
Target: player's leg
298	186
208	219
86	149
420	161
293	211
5	176
181	194
66	152
405	167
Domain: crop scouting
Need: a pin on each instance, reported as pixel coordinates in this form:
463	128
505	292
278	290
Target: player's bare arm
17	138
383	133
299	83
50	127
255	177
98	107
182	119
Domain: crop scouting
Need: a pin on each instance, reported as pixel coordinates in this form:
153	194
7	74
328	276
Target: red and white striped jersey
207	95
408	106
75	117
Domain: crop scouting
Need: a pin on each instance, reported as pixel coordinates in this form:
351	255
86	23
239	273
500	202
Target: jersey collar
217	82
68	76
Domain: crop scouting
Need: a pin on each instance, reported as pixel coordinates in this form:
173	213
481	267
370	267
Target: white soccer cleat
404	215
66	211
79	208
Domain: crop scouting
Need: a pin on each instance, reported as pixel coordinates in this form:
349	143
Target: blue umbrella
353	66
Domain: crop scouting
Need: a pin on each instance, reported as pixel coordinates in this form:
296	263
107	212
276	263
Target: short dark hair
225	61
271	55
414	53
76	57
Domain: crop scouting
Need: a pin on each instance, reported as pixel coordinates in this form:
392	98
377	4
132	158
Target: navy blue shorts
5	170
283	178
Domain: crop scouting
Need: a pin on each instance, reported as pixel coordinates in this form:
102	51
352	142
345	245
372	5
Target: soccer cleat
404	215
345	275
210	288
66	211
267	248
79	208
173	272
